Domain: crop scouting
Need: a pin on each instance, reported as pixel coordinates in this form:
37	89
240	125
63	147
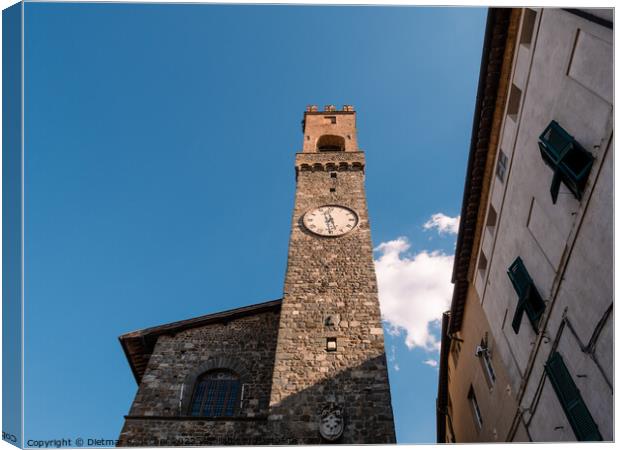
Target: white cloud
443	223
430	362
392	358
414	291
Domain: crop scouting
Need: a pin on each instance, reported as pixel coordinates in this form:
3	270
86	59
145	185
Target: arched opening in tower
330	143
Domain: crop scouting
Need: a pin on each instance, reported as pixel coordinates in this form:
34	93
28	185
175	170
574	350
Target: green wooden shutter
555	185
519	277
570	398
529	298
516	320
520	281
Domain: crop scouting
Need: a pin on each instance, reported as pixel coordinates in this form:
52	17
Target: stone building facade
307	369
527	346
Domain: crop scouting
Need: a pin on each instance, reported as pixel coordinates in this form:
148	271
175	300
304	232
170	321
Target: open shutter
521	281
555	185
519	277
516	320
529	298
574	407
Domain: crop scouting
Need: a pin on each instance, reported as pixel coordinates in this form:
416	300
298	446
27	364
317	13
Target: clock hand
329	221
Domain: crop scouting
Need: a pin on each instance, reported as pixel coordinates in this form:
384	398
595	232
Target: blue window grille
216	394
570	162
530	301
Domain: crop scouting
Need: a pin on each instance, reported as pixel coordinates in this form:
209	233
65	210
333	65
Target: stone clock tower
330	357
309	368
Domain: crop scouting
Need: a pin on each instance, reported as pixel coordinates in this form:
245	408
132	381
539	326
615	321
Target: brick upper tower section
330	141
330	129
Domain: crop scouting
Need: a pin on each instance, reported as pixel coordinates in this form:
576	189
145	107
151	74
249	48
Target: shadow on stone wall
362	391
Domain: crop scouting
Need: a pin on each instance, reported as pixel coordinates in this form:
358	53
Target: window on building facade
529	300
491	218
570	162
475	409
451	434
485	360
482	263
527	30
456	350
576	411
216	394
514	102
502	165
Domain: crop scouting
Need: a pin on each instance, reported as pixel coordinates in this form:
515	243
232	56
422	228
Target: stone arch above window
223	374
330	143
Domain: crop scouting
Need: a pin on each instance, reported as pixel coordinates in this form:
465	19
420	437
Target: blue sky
159	178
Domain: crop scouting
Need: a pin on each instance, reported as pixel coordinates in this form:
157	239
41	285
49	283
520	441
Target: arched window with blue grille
216	394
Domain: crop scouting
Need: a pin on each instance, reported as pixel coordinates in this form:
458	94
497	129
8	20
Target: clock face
330	220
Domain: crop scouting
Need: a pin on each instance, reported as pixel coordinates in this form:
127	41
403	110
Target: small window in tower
331	344
331	119
332	189
333	175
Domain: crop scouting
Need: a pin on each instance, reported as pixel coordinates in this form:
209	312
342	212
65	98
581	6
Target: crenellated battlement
329	109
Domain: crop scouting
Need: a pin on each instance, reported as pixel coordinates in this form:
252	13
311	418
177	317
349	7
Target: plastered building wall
562	71
467	371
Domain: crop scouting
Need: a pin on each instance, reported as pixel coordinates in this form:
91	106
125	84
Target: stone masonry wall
245	345
331	276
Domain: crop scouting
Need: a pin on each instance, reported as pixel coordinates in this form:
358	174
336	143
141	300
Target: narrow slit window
482	264
491	218
527	30
502	165
514	102
332	189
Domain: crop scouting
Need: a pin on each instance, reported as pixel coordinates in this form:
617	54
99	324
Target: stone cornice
330	161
